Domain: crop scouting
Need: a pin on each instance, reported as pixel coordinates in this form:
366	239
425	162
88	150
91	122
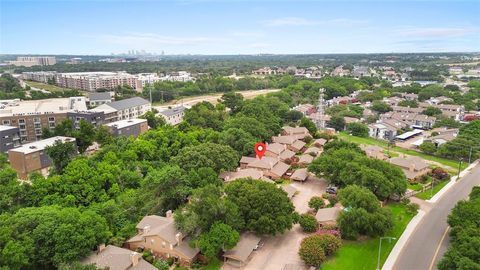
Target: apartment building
99	98
31	157
40	76
90	81
9	138
32	116
129	108
145	79
173	116
30	61
127	128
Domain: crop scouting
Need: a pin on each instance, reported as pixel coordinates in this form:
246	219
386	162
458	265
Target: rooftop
116	258
43	106
99	96
41	145
3	128
126	123
173	111
128	103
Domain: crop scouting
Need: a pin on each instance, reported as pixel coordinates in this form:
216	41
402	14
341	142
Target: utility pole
459	167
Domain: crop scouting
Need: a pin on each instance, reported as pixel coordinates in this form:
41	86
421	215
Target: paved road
430	240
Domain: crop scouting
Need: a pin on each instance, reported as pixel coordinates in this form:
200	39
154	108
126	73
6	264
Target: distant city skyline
237	27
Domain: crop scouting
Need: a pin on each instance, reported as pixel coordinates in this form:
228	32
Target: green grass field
416	186
362	255
427	194
452	164
48	87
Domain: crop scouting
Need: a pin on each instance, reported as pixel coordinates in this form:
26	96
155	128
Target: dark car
331	190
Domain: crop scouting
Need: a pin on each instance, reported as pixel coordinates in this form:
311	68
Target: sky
238	27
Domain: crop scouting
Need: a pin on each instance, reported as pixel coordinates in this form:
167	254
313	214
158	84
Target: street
429	241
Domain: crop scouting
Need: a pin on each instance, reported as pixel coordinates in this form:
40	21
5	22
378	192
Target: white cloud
440	32
296	21
151	39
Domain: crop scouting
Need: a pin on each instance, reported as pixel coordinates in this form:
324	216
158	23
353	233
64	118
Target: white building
178	76
173	116
30	61
90	81
147	78
130	108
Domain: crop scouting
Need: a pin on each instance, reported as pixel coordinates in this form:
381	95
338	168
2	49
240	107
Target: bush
358	129
307	139
332	199
308	223
161	265
311	251
439	173
316	203
315	248
170	261
412	208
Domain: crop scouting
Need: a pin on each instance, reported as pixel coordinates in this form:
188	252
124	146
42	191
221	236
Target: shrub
329	243
412	208
439	173
316	203
332	199
311	251
170	261
307	139
308	223
315	248
161	265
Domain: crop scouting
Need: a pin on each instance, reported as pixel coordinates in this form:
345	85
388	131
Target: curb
392	257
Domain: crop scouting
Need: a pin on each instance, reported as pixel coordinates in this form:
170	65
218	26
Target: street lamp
459	166
380	248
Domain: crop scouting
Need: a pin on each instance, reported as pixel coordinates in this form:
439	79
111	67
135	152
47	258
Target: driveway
283	249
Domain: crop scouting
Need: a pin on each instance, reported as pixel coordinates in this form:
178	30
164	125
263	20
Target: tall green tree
219	237
61	154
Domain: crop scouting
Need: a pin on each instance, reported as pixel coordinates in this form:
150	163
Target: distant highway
429	241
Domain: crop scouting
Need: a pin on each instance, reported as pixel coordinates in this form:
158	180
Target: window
6	122
37	125
38	131
22	126
21	121
51	119
51	125
36	120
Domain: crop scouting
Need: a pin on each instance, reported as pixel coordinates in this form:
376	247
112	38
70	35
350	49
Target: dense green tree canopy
216	156
264	208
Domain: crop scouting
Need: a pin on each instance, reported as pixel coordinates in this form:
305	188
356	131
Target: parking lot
283	249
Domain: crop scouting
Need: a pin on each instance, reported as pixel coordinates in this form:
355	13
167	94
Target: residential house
239	255
328	216
160	236
315	151
292	142
438	100
319	142
271	167
383	131
290	190
117	258
374	151
127	128
361	71
299	132
305	109
9	138
340	71
300	175
31	157
409	96
244	173
349	120
453	111
305	159
277	150
173	116
413	167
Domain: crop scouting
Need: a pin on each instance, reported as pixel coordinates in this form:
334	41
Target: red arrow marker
260	149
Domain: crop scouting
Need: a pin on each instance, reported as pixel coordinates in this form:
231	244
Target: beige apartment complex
90	81
30	61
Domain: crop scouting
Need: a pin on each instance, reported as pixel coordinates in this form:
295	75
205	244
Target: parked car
331	190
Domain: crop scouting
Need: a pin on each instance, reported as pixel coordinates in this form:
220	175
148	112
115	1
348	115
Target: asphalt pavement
429	241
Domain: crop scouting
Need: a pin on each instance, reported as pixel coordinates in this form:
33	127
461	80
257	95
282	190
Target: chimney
168	214
100	248
178	237
135	258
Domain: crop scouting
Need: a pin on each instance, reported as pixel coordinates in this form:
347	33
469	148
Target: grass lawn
447	162
214	264
416	186
427	194
362	255
48	87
